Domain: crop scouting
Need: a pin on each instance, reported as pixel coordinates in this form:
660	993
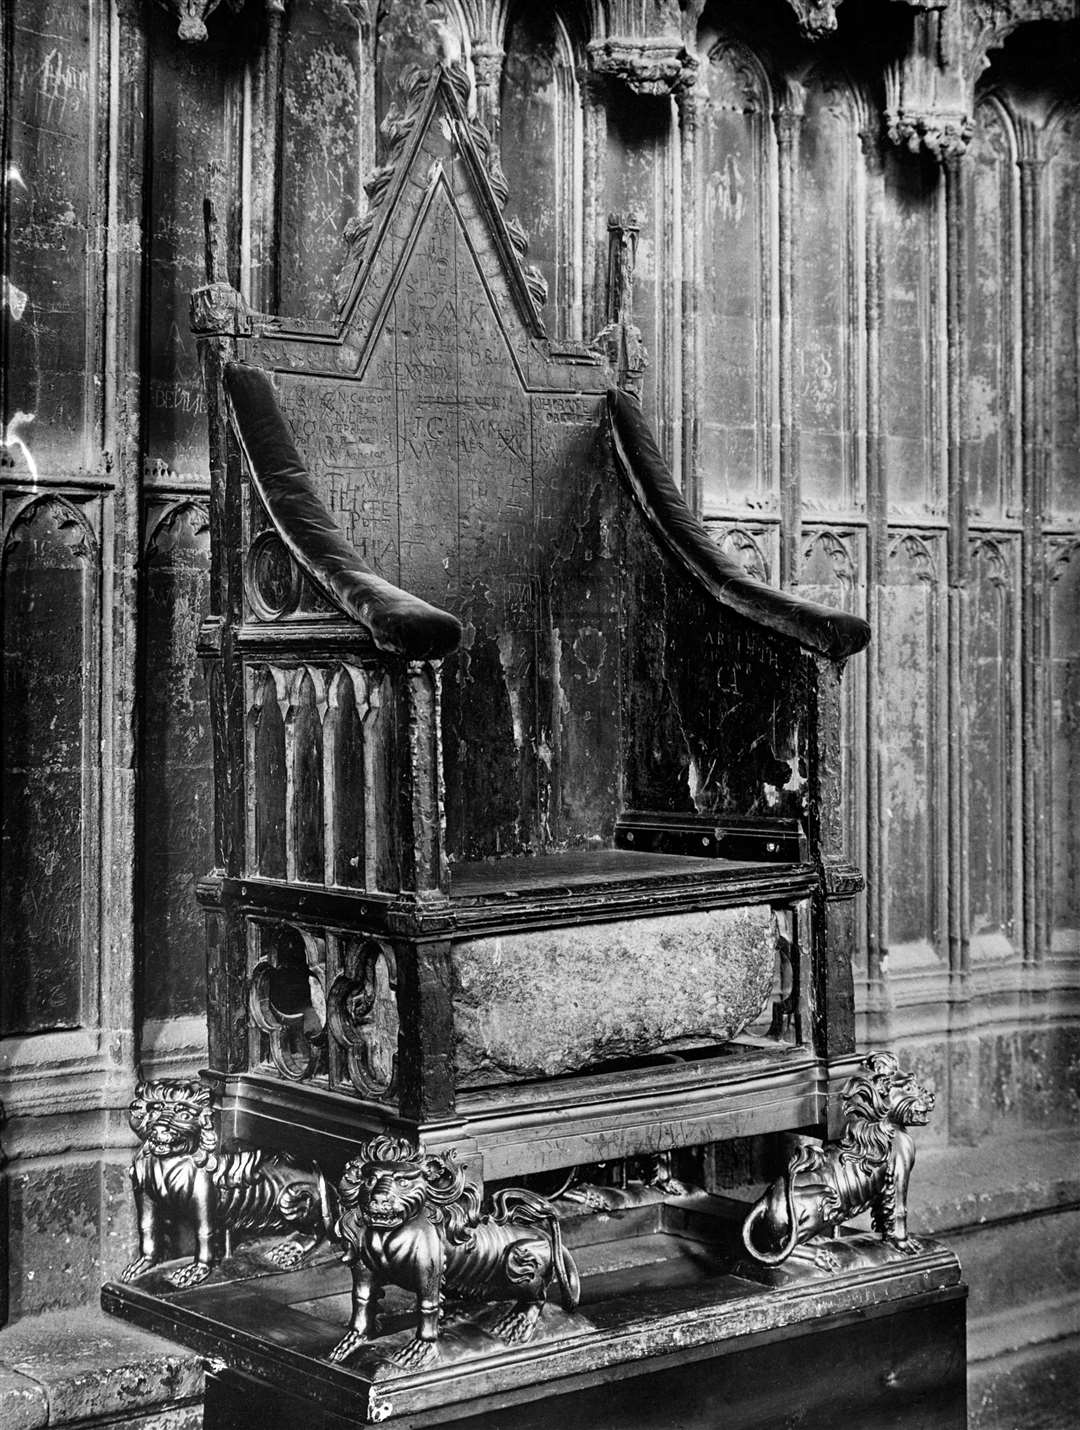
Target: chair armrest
396	620
836	634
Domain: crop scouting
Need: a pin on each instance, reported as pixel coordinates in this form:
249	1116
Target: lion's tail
328	1204
754	1215
519	1206
565	1267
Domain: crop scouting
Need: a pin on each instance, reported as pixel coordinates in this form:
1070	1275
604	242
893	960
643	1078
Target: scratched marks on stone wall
1063	570
991	416
49	619
322	142
538	110
408	34
1063	312
834	574
49	241
177	772
190	128
912	774
911	349
827	395
737	294
994	749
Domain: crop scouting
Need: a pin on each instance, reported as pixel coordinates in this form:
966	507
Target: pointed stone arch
49	622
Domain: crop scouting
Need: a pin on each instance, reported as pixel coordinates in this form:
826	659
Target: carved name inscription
429	475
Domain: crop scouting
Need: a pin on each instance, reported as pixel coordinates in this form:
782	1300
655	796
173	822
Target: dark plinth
900	1368
673	1329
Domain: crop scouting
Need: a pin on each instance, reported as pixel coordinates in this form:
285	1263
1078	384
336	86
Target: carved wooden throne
529	802
518	834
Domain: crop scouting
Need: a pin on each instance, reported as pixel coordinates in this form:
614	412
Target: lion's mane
175	1094
450	1201
874	1106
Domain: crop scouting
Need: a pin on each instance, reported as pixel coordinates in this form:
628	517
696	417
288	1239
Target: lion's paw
416	1354
139	1267
909	1246
826	1260
189	1275
350	1342
516	1326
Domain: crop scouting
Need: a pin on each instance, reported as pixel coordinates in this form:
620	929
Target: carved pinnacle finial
620	340
213	238
623	230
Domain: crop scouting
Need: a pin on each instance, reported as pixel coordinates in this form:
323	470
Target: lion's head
175	1119
879	1098
391	1182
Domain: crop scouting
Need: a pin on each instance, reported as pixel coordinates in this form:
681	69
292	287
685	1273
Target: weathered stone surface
555	1000
90	1366
53	1233
23	1405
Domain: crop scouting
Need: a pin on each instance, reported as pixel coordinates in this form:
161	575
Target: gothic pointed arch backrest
453	442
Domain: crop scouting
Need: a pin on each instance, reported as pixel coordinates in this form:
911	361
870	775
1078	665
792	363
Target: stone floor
71	1367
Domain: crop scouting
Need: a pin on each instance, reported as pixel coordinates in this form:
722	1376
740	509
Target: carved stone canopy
193	15
816	17
651	66
930	93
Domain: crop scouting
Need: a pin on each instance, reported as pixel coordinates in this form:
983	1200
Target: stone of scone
557	1000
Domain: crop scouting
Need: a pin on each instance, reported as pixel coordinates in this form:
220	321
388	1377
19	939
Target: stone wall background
857	276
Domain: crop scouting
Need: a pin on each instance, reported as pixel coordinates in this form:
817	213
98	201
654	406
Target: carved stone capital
943	136
487	62
193	15
789	115
815	17
218	309
930	93
691	103
646	66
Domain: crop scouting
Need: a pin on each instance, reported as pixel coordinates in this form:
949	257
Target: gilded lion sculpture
870	1166
411	1220
179	1174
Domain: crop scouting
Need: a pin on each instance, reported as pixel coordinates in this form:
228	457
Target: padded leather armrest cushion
834	633
395	620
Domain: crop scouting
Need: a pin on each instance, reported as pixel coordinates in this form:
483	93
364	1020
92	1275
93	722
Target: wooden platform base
673	1330
897	1369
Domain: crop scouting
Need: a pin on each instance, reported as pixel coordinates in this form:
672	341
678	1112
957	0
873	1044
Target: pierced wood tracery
287	1000
362	1015
320	791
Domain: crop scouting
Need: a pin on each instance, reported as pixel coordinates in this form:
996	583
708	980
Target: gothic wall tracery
856	277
